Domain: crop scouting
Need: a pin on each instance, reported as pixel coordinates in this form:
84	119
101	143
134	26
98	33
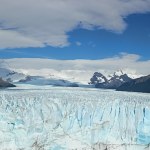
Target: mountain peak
98	78
111	82
119	72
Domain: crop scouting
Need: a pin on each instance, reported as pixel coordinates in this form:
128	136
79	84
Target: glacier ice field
65	118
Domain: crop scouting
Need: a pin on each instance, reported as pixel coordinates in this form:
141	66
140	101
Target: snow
118	73
100	79
134	76
8	74
20	78
38	80
64	118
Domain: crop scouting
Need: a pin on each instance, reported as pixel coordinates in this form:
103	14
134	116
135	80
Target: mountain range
13	77
121	82
118	80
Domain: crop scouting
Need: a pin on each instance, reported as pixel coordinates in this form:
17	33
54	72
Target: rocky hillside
137	85
5	84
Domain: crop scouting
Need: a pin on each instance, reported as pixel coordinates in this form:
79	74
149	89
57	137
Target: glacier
65	118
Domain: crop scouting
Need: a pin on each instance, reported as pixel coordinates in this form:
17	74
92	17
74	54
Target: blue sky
86	43
96	44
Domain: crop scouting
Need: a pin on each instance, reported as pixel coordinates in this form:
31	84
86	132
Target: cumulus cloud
32	23
13	39
80	70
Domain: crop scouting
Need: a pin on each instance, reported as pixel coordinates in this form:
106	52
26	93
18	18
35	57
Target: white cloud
46	22
78	43
13	39
80	70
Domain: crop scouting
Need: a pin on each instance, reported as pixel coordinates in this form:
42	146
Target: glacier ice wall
74	118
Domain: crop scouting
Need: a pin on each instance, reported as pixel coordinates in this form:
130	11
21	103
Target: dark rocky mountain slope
137	85
4	84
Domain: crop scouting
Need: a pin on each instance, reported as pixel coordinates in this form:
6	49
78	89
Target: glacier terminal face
60	118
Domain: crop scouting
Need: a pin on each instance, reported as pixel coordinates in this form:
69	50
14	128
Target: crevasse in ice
74	118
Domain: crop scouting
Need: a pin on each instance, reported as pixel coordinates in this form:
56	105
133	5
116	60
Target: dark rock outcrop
4	84
117	81
137	85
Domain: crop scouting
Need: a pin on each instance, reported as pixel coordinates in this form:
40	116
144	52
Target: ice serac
74	118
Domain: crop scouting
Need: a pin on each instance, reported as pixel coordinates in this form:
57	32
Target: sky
90	35
68	29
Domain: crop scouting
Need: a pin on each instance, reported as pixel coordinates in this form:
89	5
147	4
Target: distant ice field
65	118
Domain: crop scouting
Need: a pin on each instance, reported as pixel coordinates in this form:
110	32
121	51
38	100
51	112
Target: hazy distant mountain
39	80
10	75
110	82
137	85
15	77
5	83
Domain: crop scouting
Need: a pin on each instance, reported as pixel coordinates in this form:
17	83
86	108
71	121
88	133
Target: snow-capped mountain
39	80
111	81
20	78
11	76
98	78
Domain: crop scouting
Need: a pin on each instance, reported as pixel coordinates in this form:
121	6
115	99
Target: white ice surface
60	118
